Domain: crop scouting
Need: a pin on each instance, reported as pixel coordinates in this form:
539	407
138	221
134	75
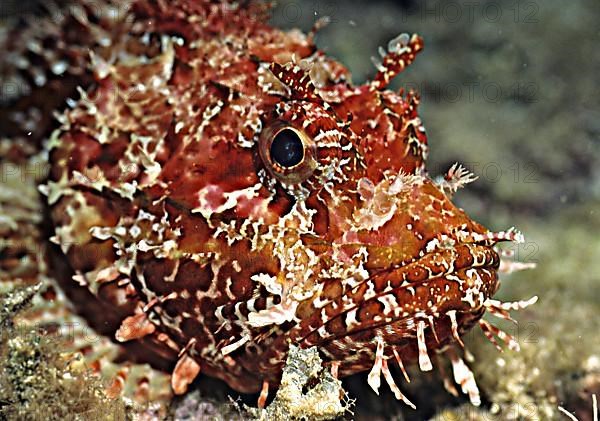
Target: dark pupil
287	149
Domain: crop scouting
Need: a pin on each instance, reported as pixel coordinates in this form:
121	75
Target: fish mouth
427	303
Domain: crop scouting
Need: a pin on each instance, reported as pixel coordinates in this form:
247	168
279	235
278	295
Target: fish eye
287	152
287	148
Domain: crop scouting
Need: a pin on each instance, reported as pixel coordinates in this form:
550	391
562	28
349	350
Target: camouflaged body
180	236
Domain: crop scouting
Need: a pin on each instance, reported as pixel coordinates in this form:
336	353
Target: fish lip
464	258
451	299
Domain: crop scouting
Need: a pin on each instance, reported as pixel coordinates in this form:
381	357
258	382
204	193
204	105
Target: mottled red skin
195	294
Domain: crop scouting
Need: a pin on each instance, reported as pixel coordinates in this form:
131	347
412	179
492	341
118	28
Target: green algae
37	381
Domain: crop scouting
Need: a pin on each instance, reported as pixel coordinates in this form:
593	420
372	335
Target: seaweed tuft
37	381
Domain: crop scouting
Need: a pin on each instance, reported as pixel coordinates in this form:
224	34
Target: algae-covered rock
37	381
307	391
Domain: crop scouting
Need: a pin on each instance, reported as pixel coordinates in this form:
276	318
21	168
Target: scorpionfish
221	190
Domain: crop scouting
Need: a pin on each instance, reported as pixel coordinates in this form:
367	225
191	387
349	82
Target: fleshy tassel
374	378
501	310
390	381
400	53
464	377
424	361
186	370
456	178
490	330
264	394
116	387
134	327
454	327
401	365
